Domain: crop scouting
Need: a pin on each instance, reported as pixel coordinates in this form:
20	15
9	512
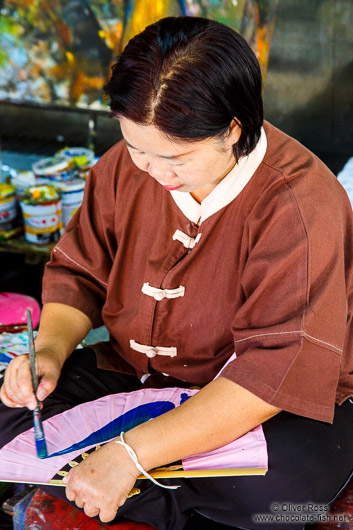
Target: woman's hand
102	482
17	389
61	328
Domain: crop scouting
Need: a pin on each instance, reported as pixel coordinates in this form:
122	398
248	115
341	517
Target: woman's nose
159	170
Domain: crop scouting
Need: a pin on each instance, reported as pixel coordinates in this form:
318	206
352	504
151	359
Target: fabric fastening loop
159	294
152	351
187	241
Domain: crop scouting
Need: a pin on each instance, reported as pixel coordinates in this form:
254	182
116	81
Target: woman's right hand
61	328
17	389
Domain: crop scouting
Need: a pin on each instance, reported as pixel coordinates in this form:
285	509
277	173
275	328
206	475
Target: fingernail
32	405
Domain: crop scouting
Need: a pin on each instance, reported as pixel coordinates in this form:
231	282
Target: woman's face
194	167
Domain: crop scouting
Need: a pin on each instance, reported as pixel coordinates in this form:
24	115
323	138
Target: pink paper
19	461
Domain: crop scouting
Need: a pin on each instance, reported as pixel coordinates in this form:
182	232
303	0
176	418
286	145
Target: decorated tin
71	196
25	179
54	166
42	214
6	173
81	157
8	208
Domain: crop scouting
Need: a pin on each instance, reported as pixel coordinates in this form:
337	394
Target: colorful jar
81	157
71	196
42	214
8	208
7	173
25	179
58	166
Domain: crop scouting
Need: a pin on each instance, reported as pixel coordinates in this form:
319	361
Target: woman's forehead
150	138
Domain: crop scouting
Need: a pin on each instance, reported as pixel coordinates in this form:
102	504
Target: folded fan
89	424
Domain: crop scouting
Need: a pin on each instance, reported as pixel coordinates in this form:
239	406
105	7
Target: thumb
45	387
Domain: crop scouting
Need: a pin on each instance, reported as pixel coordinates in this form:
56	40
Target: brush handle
32	352
39	434
39	438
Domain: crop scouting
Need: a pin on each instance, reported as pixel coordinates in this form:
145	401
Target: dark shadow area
20	277
308	90
41	131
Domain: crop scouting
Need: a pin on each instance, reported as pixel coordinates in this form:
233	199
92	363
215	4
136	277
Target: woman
203	233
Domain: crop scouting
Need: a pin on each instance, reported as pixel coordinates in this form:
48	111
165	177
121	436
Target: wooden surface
19	245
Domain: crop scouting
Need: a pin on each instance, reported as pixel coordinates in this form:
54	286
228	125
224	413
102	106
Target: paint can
80	155
8	209
58	166
42	215
71	196
25	179
7	173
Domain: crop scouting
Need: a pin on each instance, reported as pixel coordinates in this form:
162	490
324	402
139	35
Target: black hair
190	77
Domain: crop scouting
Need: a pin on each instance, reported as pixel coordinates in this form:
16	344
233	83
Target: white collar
226	191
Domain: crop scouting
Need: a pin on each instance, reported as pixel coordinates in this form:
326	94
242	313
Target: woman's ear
234	131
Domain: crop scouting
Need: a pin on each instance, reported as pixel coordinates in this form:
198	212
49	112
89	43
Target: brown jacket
271	278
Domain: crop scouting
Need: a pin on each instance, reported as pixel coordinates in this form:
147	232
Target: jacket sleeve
290	331
78	272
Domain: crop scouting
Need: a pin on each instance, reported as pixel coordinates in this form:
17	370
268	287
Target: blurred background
309	84
55	57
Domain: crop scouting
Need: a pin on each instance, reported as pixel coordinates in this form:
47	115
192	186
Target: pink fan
85	426
13	307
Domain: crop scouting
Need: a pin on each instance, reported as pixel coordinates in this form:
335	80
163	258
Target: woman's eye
173	163
136	152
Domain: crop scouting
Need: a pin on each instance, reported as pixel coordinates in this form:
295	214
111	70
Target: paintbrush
41	446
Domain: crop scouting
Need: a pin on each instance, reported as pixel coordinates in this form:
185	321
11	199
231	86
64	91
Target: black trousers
309	461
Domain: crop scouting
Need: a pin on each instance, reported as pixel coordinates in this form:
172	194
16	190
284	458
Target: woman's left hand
102	482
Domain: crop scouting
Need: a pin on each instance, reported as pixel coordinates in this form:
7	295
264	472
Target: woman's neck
201	193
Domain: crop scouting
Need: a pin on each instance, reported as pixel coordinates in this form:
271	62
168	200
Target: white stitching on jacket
268	334
79	265
288	333
323	342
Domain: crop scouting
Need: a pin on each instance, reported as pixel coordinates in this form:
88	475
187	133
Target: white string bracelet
133	455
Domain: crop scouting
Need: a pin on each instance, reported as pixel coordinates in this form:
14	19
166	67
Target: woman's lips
171	188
